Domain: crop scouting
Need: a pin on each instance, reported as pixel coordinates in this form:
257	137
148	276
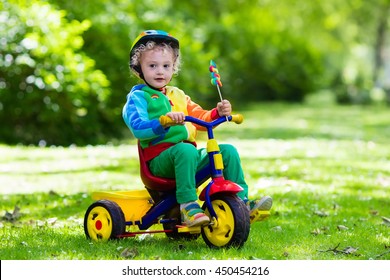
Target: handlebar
237	118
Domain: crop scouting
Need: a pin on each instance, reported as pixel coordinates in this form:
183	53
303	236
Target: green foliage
248	55
267	51
362	29
64	70
50	90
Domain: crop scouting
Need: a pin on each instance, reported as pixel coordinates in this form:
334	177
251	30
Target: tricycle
114	213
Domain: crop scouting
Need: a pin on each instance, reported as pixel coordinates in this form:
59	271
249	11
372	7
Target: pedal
259	215
191	230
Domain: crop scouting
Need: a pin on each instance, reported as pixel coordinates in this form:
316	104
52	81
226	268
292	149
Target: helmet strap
152	87
138	69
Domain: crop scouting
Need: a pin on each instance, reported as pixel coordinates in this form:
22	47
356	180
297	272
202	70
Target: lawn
326	166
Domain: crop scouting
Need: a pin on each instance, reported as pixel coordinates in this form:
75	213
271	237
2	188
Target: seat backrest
151	181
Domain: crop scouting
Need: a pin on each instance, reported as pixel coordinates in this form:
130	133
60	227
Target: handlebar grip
238	118
165	120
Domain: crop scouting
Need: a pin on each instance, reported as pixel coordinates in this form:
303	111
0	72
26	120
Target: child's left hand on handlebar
177	118
224	108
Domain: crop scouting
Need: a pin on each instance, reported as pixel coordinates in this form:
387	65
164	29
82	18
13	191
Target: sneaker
259	208
192	215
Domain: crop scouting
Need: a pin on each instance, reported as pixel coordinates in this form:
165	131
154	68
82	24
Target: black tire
174	213
233	225
104	220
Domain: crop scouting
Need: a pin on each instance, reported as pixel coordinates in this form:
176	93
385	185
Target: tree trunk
381	40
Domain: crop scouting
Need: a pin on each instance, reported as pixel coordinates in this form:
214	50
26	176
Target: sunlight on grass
326	167
68	170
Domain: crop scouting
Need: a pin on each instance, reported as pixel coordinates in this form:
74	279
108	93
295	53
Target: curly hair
150	45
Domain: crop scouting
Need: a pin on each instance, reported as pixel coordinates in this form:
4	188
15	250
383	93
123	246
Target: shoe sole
265	204
198	222
261	210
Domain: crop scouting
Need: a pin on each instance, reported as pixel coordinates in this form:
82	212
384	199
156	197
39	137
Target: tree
64	69
50	90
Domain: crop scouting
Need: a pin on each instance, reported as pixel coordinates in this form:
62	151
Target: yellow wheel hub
99	224
220	232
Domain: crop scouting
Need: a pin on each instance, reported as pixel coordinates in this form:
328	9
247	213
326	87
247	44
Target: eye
167	66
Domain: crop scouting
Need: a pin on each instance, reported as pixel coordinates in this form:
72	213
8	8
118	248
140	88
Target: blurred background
64	72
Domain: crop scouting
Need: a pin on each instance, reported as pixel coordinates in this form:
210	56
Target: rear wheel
232	227
104	220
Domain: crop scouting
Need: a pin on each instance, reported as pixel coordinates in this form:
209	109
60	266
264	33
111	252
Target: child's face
157	66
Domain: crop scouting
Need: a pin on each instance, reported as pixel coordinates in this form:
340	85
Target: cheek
147	70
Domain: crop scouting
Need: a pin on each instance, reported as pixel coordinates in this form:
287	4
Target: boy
171	151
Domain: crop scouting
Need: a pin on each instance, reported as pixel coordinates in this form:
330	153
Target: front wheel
232	227
104	220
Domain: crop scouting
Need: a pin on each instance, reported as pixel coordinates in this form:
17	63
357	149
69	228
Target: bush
50	91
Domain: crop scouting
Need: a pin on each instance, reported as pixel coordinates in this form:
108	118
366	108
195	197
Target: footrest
259	215
192	230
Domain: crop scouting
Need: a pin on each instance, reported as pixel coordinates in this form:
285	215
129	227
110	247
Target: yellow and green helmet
157	36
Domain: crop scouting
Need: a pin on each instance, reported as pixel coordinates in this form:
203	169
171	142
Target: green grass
326	166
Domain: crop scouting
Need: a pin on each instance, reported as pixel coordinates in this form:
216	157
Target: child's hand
224	108
177	117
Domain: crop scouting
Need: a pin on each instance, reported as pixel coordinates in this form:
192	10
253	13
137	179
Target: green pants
183	160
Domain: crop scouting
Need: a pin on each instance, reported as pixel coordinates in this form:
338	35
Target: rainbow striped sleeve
136	116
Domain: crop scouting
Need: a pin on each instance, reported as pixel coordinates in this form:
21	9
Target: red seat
153	182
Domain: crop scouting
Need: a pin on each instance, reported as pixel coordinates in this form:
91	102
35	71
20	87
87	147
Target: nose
160	70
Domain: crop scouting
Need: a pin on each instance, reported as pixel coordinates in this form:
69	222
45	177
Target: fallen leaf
325	228
386	221
51	192
277	228
40	223
51	221
76	220
350	250
12	216
374	212
321	213
316	231
145	236
341	227
129	253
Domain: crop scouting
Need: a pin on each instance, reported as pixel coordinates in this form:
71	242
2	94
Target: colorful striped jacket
145	105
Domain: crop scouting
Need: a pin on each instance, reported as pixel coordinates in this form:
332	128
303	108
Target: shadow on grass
123	165
303	225
41	206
